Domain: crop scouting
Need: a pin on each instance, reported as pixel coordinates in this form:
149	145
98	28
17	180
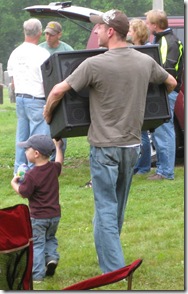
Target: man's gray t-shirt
118	82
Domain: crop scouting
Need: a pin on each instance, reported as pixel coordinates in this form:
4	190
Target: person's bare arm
59	152
170	83
15	184
54	97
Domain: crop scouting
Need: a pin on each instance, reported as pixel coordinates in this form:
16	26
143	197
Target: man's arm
54	97
170	83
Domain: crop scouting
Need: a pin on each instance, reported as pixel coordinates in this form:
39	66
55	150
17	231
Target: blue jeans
44	244
30	121
165	143
143	164
111	171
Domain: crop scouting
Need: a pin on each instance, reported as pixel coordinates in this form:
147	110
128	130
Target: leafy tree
11	23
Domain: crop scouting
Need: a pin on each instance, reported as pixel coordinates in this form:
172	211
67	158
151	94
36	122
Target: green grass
153	228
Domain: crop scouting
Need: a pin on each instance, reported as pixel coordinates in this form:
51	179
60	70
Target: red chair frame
16	239
108	278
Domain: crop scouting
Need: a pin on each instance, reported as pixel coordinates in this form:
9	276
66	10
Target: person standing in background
53	34
171	50
139	34
24	67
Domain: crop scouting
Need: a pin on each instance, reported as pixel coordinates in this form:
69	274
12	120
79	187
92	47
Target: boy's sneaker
37	281
50	268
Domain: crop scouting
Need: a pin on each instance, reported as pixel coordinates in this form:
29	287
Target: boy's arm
15	185
59	152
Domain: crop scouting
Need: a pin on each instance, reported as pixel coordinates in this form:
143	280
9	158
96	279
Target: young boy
41	187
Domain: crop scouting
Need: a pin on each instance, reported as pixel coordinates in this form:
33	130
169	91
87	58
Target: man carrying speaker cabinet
118	82
53	33
171	50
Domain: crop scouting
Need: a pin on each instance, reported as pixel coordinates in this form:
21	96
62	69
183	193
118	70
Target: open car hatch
62	9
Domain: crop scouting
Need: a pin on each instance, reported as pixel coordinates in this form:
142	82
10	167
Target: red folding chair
108	278
16	248
16	255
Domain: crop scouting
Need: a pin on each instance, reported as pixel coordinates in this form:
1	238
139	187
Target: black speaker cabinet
71	117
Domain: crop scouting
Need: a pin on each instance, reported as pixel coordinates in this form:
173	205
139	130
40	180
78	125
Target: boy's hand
15	183
15	179
59	153
58	143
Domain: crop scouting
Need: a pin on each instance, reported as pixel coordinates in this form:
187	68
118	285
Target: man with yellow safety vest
171	51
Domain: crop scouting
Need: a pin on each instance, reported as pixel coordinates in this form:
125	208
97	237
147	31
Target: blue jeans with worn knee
44	244
30	121
165	143
111	172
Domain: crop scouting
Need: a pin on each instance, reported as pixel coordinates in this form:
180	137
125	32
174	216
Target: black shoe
50	268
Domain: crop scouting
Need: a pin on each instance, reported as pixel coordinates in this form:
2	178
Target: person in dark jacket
171	50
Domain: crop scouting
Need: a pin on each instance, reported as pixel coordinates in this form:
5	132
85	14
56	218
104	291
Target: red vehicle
67	10
177	24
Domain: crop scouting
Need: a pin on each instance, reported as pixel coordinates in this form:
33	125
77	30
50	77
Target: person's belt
29	96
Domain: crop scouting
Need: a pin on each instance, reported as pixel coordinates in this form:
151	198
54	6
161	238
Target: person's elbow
174	83
56	91
60	89
171	83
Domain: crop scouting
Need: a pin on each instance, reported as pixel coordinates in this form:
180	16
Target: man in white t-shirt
24	67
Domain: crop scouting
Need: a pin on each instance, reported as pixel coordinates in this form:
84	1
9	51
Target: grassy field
153	227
